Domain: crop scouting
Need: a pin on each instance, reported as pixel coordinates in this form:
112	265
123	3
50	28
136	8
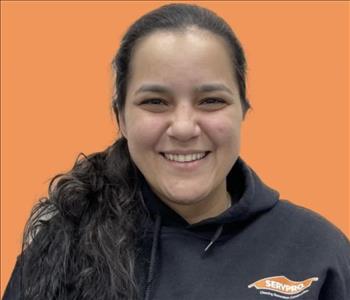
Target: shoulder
309	227
302	216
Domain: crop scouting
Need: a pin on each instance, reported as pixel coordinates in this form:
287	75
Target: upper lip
184	152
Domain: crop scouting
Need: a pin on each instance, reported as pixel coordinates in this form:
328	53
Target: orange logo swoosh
283	285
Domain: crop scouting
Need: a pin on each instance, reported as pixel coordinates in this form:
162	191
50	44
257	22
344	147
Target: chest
234	268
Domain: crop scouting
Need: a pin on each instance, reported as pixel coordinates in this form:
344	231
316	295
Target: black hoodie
260	248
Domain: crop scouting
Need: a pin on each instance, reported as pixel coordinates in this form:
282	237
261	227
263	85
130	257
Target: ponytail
81	241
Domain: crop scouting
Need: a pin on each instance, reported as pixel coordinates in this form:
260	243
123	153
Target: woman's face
183	115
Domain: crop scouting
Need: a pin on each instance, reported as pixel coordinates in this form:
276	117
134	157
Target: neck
208	207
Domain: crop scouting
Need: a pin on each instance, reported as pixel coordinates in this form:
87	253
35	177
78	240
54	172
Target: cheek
224	130
144	132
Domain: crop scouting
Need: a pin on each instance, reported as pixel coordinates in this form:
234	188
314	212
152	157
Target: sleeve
337	283
13	289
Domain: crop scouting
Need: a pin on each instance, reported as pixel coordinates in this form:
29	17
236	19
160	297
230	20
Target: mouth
185	158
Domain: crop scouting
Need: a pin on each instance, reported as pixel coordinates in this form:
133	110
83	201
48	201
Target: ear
122	125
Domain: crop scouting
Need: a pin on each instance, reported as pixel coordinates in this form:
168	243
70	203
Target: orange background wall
56	86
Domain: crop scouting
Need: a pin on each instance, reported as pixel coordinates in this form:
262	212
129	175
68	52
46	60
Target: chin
186	198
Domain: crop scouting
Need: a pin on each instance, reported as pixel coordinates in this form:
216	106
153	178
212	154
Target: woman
170	211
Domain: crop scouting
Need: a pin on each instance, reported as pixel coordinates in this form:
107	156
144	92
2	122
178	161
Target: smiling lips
185	158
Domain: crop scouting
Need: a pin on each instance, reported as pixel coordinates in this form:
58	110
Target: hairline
183	29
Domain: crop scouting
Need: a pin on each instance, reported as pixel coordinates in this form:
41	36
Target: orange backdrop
56	86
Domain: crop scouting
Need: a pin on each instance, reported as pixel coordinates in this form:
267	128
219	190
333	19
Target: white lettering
268	283
284	287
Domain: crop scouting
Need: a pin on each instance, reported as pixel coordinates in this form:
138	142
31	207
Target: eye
153	101
154	105
213	103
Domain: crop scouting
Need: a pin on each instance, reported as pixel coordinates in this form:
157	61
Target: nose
184	125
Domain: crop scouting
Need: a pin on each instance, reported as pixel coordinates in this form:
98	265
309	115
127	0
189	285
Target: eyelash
160	101
151	101
217	101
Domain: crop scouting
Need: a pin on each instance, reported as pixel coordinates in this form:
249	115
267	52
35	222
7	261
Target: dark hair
83	241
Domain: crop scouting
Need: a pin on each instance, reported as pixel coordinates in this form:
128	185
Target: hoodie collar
250	196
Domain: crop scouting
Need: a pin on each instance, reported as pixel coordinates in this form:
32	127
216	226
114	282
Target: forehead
176	56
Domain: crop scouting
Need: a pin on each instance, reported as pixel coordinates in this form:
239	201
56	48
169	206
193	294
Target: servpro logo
283	285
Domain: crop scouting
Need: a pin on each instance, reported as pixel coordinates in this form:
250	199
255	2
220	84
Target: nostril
184	130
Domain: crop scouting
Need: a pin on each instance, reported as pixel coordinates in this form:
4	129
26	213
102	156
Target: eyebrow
157	88
213	87
153	88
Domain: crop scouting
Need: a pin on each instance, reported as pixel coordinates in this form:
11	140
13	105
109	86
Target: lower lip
186	166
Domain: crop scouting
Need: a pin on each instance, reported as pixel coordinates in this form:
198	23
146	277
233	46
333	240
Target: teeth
184	158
